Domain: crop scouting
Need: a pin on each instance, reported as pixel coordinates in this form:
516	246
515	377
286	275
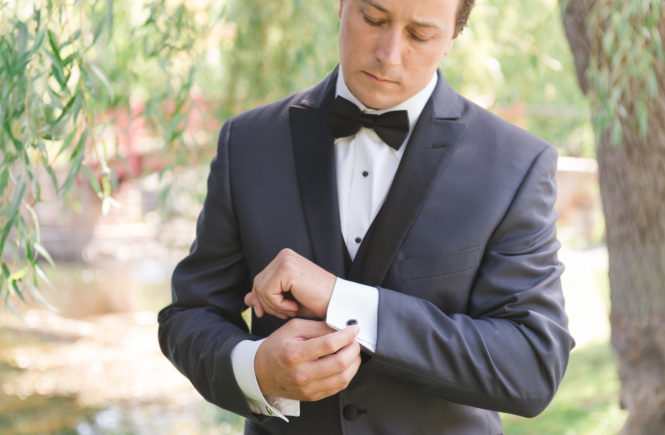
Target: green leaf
37	16
17	198
100	75
65	111
107	22
29	255
42	275
34	240
93	180
4	180
75	160
9	305
52	40
57	70
18	275
7	127
38	296
78	104
50	172
75	37
70	58
68	142
55	98
5	232
44	253
39	40
35	185
22	39
17	291
5	271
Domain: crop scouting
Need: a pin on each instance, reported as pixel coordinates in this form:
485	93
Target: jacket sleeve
202	325
509	351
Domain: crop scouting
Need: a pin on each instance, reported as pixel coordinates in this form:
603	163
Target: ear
448	48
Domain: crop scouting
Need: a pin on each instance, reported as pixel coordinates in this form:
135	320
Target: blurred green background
110	111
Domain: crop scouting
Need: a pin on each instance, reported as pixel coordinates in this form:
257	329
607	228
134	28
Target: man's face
390	48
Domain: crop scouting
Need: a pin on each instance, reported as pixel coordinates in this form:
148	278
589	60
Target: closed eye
421	33
372	22
418	38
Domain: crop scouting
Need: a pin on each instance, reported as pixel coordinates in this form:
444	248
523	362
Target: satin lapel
314	153
427	153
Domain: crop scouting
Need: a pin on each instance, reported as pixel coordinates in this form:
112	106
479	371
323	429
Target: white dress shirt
366	167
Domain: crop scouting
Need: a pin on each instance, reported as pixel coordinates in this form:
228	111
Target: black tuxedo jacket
463	251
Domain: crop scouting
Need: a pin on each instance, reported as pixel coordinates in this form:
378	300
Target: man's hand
309	286
306	360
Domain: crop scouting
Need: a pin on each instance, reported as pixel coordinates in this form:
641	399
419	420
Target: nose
388	50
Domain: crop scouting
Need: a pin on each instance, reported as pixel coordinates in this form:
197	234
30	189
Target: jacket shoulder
493	136
277	113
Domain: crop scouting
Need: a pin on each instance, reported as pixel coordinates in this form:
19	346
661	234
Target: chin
372	101
381	104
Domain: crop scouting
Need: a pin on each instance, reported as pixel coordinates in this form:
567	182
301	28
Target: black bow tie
346	119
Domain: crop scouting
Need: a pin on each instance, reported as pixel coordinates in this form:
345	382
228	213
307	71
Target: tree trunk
632	186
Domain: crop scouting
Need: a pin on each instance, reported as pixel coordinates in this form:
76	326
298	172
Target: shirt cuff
355	303
242	361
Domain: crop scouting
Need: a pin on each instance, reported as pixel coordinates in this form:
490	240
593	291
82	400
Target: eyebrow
384	10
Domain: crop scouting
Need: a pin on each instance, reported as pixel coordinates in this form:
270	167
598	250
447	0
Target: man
418	250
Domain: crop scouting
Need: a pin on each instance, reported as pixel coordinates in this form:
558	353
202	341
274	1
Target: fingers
306	329
306	360
275	303
292	285
338	362
338	380
327	375
323	345
287	309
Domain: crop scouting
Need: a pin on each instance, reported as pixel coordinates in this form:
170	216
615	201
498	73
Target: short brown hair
463	12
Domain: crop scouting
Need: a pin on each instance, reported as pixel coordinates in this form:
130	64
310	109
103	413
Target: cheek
429	60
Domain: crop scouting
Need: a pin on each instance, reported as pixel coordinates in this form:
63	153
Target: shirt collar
413	105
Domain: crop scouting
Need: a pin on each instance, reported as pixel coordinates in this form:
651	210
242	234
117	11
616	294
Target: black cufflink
351	322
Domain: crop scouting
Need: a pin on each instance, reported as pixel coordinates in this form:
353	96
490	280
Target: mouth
379	79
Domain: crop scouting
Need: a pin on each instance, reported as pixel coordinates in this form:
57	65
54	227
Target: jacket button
351	412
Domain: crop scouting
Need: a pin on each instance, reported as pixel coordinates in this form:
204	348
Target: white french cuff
353	303
242	361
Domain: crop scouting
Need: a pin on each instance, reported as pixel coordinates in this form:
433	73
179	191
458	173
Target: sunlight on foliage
628	36
65	65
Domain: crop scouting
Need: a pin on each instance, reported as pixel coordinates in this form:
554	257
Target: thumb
252	301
